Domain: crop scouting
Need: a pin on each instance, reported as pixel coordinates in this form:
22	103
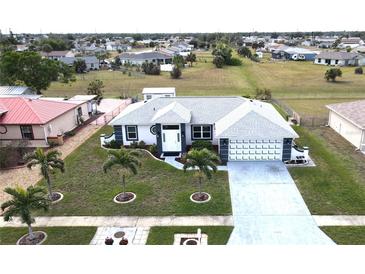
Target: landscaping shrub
332	74
218	61
140	144
70	133
112	144
235	62
263	94
245	52
176	73
134	145
151	69
153	149
201	144
359	70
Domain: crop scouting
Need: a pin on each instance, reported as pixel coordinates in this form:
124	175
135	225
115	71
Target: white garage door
255	150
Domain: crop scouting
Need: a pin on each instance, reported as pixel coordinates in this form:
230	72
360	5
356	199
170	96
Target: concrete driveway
268	207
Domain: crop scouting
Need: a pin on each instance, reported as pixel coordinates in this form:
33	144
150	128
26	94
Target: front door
171	139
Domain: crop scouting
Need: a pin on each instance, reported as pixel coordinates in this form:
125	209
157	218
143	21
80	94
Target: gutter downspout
45	134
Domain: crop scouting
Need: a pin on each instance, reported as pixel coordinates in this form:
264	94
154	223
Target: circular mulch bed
56	197
40	237
190	242
119	234
198	197
124	198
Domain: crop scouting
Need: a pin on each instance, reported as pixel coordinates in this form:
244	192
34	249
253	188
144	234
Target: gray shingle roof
232	116
71	60
144	56
338	55
352	111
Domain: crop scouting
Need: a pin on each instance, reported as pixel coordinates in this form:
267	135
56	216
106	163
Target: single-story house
241	129
92	63
38	121
340	58
348	120
351	42
15	91
152	93
294	53
139	58
57	54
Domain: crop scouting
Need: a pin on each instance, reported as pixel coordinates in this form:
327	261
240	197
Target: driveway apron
268	208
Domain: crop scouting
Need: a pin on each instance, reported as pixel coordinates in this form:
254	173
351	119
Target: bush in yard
359	70
151	69
80	66
112	144
332	74
218	61
201	144
245	52
235	62
153	149
141	145
263	94
96	88
175	73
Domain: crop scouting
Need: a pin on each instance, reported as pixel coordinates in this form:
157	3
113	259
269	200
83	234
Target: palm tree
127	161
23	202
191	57
47	162
204	161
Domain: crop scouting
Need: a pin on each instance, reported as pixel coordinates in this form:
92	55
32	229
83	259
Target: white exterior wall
144	134
346	129
157	95
333	62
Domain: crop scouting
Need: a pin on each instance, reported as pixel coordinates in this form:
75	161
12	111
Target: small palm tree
47	162
23	202
204	161
127	161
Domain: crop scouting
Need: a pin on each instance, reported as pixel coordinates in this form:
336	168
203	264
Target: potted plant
123	241
109	241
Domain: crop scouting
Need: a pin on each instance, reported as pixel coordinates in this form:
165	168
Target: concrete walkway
340	220
268	208
126	221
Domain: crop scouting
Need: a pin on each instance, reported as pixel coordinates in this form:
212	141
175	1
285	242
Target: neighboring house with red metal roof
39	121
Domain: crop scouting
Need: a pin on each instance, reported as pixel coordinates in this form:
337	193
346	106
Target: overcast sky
71	16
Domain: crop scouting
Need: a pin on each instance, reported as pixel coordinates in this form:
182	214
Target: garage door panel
255	150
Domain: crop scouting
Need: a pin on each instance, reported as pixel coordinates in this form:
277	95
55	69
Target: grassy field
337	184
56	235
300	84
346	235
217	235
160	188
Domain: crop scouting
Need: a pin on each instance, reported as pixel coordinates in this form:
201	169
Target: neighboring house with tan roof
340	58
39	121
348	120
57	54
241	129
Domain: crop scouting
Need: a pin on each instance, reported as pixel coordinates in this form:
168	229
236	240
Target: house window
27	132
319	60
131	133
201	132
336	62
148	97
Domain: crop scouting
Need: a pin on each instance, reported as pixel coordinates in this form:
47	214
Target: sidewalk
339	220
125	221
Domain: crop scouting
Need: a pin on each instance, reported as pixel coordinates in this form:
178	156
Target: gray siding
118	131
159	139
223	149
287	145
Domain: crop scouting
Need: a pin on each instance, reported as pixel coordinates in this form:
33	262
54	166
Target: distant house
348	120
294	53
351	42
15	91
92	63
340	58
139	58
39	121
21	48
56	55
152	93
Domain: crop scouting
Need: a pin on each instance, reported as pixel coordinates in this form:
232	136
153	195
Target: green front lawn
346	235
56	235
337	185
160	235
161	189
